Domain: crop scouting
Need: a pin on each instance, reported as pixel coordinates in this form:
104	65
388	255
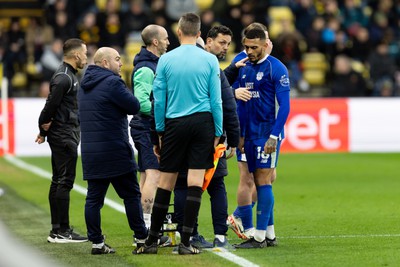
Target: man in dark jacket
217	43
59	122
145	62
107	156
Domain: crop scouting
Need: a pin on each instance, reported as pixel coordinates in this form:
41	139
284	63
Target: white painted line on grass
45	174
235	259
114	205
338	236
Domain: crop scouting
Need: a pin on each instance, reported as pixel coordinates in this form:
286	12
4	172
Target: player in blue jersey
246	193
262	120
188	119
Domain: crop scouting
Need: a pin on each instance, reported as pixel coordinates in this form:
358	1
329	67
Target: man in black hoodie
59	122
155	39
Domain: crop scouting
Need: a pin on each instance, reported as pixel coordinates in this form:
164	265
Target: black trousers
127	188
64	155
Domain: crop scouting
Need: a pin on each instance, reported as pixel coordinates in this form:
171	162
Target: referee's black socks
160	209
192	207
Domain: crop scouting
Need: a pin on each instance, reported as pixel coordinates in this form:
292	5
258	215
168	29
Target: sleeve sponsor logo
284	81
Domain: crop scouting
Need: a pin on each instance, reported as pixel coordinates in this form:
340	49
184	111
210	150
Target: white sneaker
235	223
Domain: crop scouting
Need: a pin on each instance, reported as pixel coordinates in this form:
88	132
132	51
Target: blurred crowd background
332	48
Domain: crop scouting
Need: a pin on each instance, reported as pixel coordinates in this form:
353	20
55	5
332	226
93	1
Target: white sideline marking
337	236
114	205
234	258
45	174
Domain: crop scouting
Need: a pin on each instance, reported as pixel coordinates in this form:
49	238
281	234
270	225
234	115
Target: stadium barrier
314	125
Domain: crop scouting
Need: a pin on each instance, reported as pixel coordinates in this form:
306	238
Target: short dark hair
255	33
189	24
220	29
72	44
255	25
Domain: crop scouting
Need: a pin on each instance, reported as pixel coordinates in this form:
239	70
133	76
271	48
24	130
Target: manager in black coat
107	156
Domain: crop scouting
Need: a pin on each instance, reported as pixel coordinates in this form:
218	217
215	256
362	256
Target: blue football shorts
256	158
140	133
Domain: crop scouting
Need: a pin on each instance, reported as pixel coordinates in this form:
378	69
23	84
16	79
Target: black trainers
105	249
271	242
184	250
52	236
200	242
144	249
69	236
65	237
252	243
163	241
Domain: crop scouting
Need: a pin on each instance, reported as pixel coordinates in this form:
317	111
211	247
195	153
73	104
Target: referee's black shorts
188	143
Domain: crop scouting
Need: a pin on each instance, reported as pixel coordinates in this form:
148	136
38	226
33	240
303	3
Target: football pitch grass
330	210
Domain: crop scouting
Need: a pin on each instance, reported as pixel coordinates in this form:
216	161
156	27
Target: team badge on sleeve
284	80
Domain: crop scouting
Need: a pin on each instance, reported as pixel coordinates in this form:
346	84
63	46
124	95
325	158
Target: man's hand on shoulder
241	63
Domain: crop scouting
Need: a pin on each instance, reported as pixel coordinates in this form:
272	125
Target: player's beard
253	59
80	64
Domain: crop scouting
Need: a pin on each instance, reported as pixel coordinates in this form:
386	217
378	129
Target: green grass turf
330	210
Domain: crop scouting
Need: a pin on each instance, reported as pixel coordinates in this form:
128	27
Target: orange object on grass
219	152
